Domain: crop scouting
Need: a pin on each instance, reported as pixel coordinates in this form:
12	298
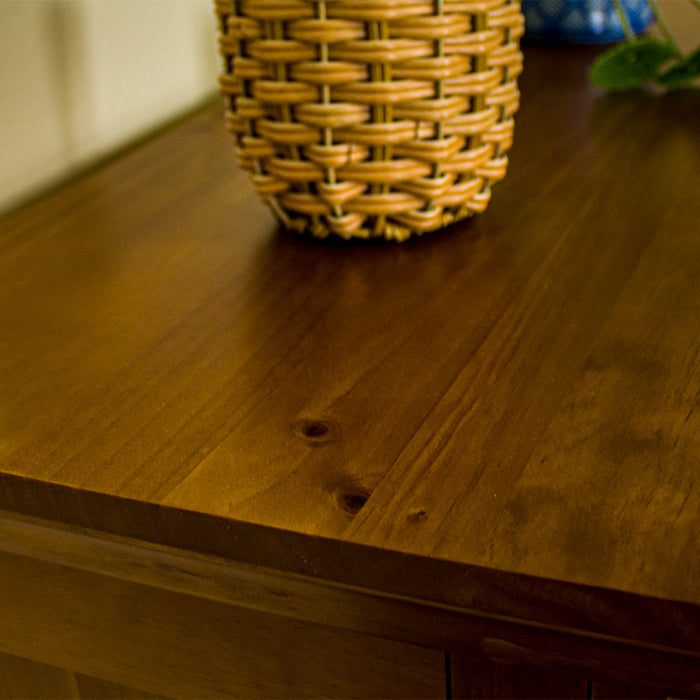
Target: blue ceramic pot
582	21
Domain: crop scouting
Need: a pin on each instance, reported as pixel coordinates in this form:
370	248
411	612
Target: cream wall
80	78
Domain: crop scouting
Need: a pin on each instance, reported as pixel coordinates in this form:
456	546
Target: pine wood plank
184	646
560	650
469	467
501	418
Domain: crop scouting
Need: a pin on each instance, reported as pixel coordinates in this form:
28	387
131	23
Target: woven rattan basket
367	118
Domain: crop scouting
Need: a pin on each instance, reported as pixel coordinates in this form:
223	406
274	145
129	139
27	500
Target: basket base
374	228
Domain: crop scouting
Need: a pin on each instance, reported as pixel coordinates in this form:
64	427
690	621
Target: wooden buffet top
502	418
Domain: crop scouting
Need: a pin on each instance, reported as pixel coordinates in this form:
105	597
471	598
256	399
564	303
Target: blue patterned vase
582	21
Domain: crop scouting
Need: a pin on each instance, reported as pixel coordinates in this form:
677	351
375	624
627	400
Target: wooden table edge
213	572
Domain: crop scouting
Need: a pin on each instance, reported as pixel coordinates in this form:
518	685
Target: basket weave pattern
367	118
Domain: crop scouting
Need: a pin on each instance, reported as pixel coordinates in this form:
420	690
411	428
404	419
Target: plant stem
653	5
624	20
696	3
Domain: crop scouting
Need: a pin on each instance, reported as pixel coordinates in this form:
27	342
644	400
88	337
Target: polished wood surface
501	418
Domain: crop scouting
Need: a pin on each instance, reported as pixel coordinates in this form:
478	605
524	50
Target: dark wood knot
316	430
353	501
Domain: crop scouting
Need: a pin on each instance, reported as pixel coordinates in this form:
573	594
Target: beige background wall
80	78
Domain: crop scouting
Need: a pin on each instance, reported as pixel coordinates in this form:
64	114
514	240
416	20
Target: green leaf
684	72
632	64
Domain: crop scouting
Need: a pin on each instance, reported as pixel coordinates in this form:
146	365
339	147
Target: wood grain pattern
647	290
359	613
183	646
501	418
